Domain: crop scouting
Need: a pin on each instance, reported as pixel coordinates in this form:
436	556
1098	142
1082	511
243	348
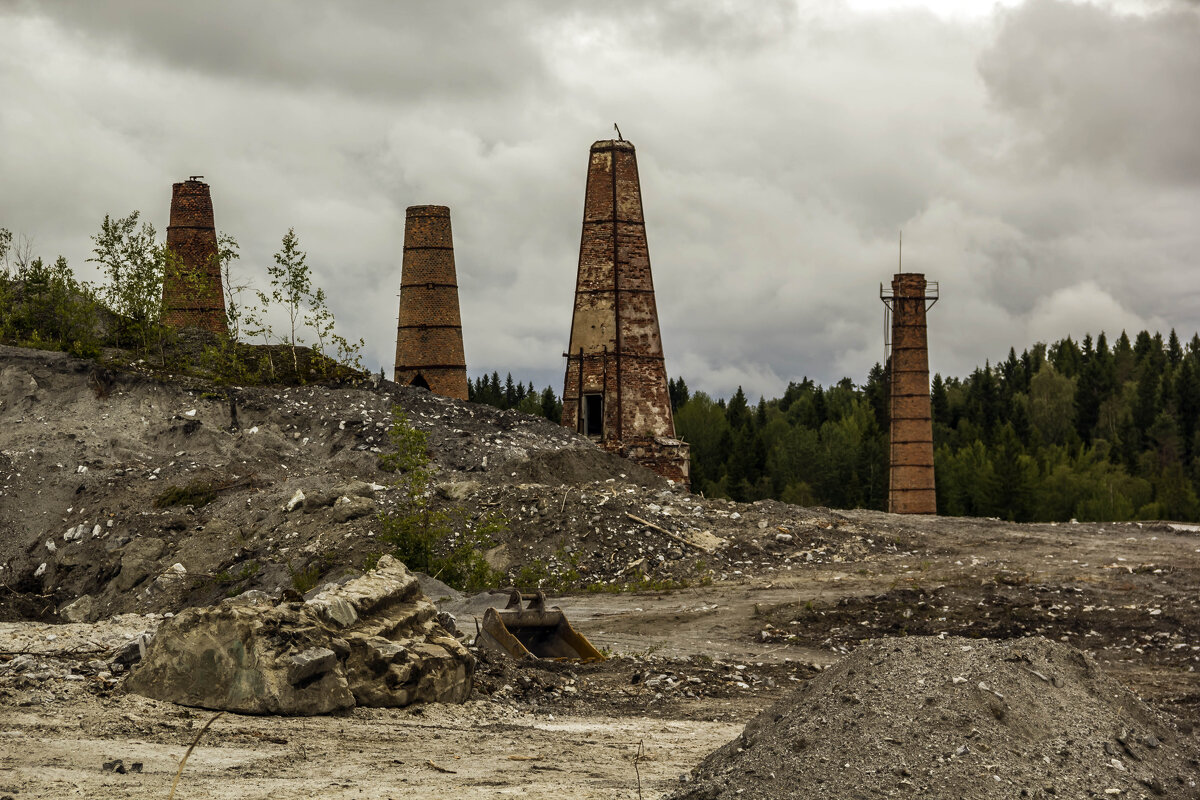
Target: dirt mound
580	464
955	718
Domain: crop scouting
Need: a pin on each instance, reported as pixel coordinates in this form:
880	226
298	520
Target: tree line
487	389
1071	430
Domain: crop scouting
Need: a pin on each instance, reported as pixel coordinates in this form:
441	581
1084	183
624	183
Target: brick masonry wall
197	301
429	344
615	321
911	486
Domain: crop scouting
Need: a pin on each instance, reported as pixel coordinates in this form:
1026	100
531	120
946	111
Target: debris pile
954	718
373	641
39	655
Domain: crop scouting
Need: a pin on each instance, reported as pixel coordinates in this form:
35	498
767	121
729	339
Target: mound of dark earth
955	718
122	492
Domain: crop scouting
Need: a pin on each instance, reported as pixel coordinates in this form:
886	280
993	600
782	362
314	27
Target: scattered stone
457	491
348	508
138	561
133	652
297	499
79	610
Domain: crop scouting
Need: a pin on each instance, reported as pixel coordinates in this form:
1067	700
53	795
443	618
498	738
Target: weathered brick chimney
195	298
615	390
429	343
911	481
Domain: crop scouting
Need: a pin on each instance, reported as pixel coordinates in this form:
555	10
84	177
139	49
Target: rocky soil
955	717
722	609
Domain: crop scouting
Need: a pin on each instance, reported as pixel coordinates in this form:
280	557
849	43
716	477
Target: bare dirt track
763	597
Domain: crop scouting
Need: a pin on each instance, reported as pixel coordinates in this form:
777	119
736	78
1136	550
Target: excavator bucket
534	631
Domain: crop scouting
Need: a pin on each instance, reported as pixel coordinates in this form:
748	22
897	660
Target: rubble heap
373	641
955	718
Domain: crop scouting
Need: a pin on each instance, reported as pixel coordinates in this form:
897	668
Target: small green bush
438	542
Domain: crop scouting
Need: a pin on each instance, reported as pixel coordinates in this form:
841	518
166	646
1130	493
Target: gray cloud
1092	87
373	47
780	154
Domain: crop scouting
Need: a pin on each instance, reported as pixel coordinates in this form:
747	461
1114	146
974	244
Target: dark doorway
420	381
593	415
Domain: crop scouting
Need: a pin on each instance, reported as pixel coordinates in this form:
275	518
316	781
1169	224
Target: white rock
190	412
253	430
296	500
40	571
50	545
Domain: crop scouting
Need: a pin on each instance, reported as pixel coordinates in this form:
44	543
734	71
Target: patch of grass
198	493
248	571
532	576
306	578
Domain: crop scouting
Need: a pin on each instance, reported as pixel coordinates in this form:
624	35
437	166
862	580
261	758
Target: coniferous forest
1072	430
1083	430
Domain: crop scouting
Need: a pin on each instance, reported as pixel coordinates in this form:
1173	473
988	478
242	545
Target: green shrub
438	542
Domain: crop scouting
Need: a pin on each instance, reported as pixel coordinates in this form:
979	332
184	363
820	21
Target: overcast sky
1042	159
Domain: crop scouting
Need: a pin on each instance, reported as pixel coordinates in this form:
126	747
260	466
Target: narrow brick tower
910	486
194	299
615	389
429	343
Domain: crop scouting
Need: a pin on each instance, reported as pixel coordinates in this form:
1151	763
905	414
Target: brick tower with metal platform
911	481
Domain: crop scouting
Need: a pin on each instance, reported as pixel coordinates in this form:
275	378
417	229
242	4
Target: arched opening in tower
420	381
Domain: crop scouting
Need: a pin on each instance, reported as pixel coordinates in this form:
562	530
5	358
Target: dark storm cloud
1092	87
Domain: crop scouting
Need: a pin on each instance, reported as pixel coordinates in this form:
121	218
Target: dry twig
636	758
192	747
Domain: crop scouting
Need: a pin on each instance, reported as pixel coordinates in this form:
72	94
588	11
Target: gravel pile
955	718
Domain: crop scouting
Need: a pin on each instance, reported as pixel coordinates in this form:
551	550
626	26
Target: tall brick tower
429	343
911	486
194	299
615	390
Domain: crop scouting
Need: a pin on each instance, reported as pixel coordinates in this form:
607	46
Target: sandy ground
482	749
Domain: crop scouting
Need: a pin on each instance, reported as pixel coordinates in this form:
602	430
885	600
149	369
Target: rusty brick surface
192	236
911	478
429	344
615	348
